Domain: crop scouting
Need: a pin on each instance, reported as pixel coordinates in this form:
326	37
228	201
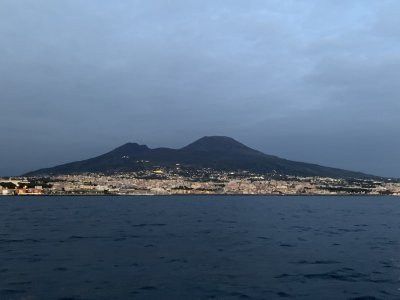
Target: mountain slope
217	152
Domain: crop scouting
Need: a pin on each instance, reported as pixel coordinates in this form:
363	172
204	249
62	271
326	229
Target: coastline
199	195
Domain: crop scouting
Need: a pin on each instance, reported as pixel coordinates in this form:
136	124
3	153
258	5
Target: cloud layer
307	80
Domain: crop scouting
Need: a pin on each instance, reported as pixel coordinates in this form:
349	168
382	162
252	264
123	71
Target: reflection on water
199	248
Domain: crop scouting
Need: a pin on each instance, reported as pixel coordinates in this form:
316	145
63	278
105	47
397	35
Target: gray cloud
306	80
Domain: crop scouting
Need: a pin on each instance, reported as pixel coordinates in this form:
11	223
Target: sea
199	247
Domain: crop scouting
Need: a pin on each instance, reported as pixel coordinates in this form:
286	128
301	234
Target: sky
313	81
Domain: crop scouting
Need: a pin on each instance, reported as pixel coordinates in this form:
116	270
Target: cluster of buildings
19	186
198	182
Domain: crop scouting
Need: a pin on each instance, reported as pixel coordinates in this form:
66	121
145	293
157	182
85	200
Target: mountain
216	152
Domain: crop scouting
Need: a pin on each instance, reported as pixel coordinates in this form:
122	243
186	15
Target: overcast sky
315	81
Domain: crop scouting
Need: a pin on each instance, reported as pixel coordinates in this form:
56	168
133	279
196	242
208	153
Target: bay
199	247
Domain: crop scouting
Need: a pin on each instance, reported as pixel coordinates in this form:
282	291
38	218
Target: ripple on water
315	262
9	292
18	241
365	298
148	225
148	288
344	274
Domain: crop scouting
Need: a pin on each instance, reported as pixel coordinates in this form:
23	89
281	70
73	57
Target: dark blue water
199	248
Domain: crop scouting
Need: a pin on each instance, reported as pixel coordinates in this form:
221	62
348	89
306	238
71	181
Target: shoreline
196	195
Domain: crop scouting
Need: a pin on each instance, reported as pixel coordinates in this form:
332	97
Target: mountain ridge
216	152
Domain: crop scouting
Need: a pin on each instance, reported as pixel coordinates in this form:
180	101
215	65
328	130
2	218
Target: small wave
365	298
12	291
315	262
284	295
6	241
287	245
19	283
148	288
240	295
148	225
345	274
263	238
80	237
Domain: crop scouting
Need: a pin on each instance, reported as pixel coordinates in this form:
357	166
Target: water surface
199	248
